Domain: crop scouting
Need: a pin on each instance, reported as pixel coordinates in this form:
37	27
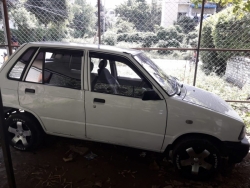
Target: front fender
184	118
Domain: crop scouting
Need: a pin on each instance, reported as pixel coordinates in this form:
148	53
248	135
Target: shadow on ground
114	166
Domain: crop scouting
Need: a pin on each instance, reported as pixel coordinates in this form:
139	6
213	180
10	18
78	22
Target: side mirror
150	95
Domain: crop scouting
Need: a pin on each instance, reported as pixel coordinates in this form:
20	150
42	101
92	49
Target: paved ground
113	167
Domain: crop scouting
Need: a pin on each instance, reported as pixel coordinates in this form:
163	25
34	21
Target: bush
124	26
135	37
122	37
186	23
209	58
109	38
148	39
2	39
224	30
178	28
167	44
169	34
232	32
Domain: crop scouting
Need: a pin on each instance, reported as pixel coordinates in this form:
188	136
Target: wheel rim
196	160
20	134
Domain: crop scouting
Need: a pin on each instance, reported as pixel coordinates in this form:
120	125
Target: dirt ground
114	166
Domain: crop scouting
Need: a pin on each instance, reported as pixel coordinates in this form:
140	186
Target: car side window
122	78
63	68
18	69
57	67
125	71
35	73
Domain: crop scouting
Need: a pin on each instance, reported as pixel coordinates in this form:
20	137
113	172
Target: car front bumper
237	150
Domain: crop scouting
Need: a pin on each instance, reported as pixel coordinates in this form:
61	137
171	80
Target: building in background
173	9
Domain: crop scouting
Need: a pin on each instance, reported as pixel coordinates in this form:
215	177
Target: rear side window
17	70
57	67
62	68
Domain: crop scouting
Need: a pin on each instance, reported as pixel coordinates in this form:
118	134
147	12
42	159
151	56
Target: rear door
52	89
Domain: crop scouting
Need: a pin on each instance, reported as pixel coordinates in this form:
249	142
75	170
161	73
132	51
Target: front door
115	111
52	89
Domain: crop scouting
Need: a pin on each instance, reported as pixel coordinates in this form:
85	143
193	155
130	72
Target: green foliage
140	14
123	26
239	6
135	37
48	11
122	37
169	33
231	31
109	38
224	30
83	19
26	24
166	44
149	39
186	23
2	39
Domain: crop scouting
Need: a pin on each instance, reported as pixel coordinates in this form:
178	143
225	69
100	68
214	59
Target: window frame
26	66
113	68
47	49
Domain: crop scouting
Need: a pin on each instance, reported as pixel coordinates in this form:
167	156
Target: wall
238	71
169	12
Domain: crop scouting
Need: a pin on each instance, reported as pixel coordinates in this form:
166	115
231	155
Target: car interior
105	78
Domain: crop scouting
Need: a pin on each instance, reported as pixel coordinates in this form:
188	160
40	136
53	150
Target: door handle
29	90
99	100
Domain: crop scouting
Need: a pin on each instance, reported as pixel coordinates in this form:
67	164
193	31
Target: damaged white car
117	96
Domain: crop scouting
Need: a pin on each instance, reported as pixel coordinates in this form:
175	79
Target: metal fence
199	44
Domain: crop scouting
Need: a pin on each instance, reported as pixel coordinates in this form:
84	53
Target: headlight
242	133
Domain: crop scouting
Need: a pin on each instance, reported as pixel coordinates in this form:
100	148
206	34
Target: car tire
24	132
196	158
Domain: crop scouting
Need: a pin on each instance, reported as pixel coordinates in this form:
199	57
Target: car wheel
24	132
196	158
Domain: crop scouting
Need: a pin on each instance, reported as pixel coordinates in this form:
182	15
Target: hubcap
20	133
196	161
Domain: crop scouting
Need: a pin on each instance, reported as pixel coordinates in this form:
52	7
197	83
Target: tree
10	5
25	23
239	5
83	18
186	23
48	11
224	30
139	13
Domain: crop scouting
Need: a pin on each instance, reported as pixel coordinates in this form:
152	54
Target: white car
117	96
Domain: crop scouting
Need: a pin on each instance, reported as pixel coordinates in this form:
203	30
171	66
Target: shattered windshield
167	82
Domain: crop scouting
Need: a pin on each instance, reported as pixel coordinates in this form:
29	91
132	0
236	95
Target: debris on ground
79	150
126	173
97	184
69	156
154	166
90	156
72	153
143	154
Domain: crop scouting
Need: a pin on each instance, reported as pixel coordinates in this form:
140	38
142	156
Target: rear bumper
237	150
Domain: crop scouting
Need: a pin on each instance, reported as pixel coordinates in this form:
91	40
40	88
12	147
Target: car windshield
167	82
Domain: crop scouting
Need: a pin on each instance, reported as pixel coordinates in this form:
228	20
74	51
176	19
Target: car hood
209	100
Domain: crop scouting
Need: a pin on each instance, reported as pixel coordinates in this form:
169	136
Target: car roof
88	46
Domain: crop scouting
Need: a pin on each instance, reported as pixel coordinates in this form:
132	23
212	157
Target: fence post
6	24
99	20
6	148
199	43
